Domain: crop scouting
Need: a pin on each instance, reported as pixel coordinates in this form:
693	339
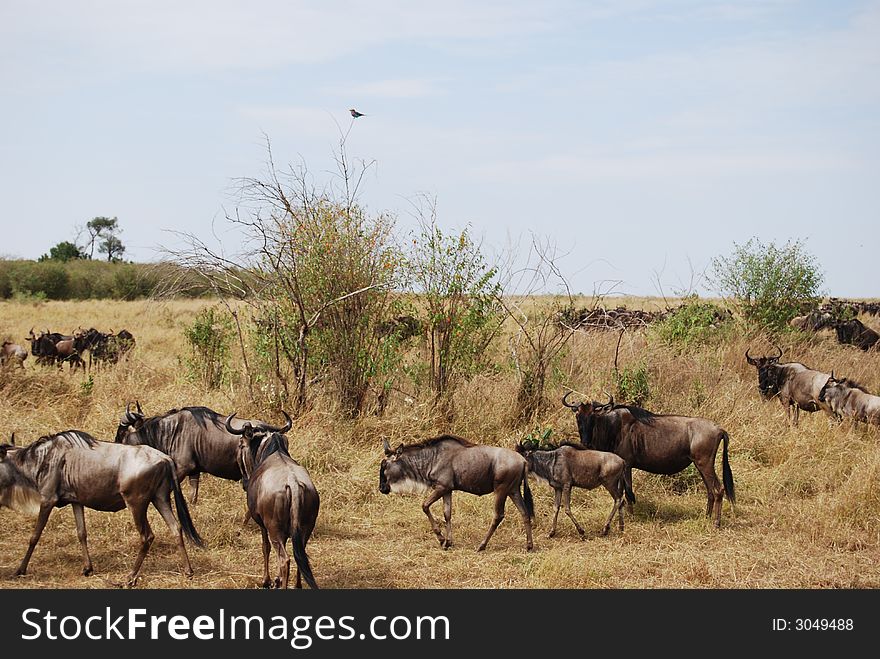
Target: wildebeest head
130	422
389	466
767	383
17	491
257	443
584	414
835	390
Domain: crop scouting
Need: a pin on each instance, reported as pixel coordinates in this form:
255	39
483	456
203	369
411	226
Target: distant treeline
87	279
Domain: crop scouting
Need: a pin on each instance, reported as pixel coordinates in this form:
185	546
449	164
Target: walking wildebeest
195	437
658	443
74	468
854	332
794	384
572	465
281	498
12	353
849	398
440	465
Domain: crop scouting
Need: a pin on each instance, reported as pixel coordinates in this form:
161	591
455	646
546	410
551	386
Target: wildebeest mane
274	444
434	441
852	384
640	414
151	431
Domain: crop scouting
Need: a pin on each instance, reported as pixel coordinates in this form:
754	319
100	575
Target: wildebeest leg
138	509
617	493
447	515
557	502
163	505
42	518
500	499
266	582
433	496
566	497
714	491
797	415
517	499
80	517
283	578
194	489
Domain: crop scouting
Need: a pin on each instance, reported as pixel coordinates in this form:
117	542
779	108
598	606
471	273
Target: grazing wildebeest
74	468
195	437
12	353
849	398
573	465
659	444
439	465
793	383
854	332
281	498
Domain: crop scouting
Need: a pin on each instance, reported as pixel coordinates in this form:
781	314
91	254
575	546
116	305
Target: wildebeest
54	348
849	398
12	353
813	321
793	383
195	437
854	332
73	468
103	347
572	465
658	443
442	464
281	498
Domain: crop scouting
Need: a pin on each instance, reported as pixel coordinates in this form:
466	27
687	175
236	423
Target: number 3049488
822	624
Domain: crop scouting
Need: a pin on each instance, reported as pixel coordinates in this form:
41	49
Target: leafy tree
63	251
113	248
769	284
100	227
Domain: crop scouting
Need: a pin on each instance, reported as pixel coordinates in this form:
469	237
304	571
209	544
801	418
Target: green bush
633	386
693	323
209	338
769	284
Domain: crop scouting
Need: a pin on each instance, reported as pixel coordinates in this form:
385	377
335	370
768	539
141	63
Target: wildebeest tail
183	516
626	479
726	473
296	537
527	493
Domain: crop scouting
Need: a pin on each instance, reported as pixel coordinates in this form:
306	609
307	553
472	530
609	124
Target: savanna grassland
808	498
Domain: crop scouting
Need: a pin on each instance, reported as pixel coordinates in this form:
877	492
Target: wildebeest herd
53	348
151	455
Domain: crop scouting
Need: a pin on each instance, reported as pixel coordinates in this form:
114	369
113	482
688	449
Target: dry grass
808	513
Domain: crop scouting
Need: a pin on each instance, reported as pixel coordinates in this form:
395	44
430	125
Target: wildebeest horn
387	447
566	403
229	427
780	352
751	360
12	439
130	418
287	426
138	403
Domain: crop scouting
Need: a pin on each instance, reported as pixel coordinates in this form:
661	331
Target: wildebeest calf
572	465
439	465
848	398
12	353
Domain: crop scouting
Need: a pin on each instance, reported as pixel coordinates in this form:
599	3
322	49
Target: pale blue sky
640	135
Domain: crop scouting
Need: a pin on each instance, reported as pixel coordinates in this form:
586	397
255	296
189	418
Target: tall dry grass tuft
808	511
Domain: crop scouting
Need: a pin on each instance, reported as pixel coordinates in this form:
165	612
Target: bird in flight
355	113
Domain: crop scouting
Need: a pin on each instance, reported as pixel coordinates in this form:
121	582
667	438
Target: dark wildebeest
854	332
849	398
439	465
573	465
659	444
91	341
74	468
281	498
195	437
12	353
794	384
